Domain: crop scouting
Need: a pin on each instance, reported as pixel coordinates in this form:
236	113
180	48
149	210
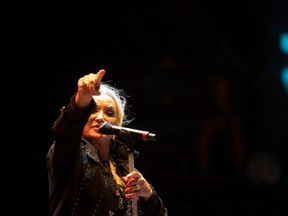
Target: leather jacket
80	183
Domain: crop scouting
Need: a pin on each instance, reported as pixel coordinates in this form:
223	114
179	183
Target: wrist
82	101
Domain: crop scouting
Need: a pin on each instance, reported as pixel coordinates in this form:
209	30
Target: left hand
136	185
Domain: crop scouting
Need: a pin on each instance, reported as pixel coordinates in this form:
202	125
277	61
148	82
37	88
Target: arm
68	128
154	205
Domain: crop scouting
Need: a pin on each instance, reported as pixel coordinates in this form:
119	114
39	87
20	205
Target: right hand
131	181
88	86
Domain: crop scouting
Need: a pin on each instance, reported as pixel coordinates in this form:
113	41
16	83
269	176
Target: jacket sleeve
154	206
67	131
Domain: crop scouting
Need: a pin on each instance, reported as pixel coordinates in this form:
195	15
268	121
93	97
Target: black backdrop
167	55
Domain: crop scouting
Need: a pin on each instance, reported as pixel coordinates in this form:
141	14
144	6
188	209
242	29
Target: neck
104	155
102	147
103	151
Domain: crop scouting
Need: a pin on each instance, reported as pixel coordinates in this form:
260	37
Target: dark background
172	58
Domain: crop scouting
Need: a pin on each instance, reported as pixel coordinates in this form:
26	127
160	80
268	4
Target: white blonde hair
119	97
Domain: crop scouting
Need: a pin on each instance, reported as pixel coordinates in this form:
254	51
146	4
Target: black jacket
80	184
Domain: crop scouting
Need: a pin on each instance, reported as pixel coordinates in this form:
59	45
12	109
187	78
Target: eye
110	113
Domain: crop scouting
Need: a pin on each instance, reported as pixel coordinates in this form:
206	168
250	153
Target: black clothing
80	183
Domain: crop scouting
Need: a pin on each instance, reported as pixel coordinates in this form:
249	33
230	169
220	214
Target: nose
100	117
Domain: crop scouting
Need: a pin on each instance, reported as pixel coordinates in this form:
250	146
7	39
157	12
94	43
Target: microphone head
105	128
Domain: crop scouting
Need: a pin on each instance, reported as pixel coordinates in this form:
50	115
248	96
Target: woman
89	171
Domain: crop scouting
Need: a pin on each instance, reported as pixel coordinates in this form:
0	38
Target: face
105	111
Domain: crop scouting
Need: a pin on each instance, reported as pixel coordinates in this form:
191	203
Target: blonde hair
119	97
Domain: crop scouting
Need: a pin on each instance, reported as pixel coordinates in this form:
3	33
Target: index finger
99	76
95	80
98	79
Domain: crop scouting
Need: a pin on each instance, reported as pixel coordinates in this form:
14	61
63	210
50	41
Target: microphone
107	128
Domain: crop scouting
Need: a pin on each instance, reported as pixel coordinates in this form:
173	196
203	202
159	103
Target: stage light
283	45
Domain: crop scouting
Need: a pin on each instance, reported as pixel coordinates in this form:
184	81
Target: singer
87	169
